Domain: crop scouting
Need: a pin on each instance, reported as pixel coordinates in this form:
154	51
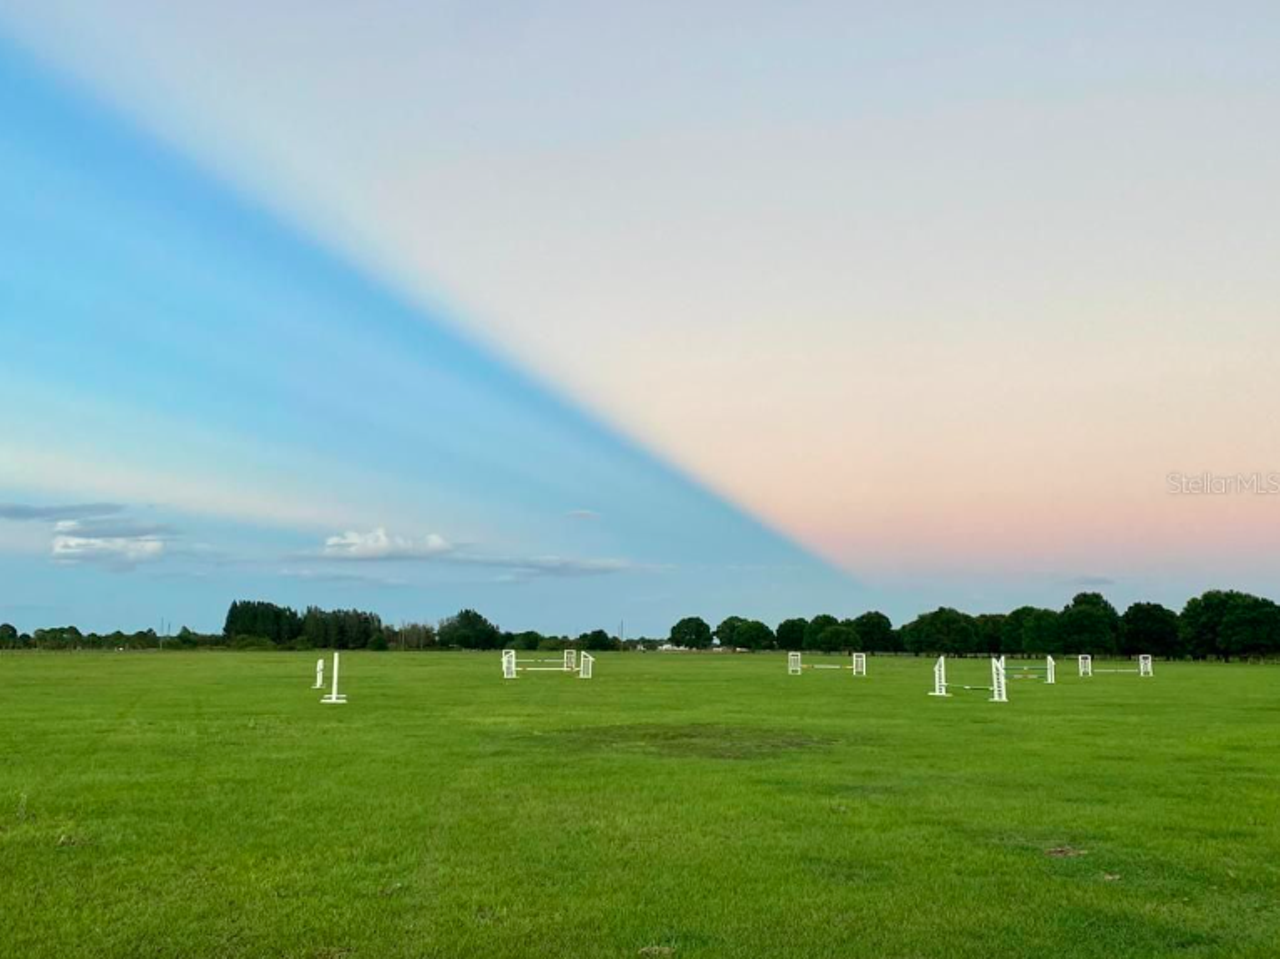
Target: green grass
207	805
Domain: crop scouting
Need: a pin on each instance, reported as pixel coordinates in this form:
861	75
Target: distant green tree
944	631
835	639
990	628
1250	628
529	639
1042	633
817	626
596	640
727	632
469	630
753	634
876	633
1201	621
791	633
8	636
1088	624
692	632
1150	628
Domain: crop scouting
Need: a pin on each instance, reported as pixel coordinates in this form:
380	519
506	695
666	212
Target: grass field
206	804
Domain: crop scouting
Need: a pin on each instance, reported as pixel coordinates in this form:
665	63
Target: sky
587	316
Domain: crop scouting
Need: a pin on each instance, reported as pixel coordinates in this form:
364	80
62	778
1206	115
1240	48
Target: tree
469	630
835	639
529	639
595	640
817	626
944	631
875	633
1150	628
1088	624
692	632
791	633
1202	620
727	632
990	628
8	636
1042	633
753	634
1250	627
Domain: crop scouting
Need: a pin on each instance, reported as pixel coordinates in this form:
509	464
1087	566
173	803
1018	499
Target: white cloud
119	551
378	544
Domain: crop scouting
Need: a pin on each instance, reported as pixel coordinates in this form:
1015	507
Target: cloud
119	552
588	514
550	565
1092	581
94	533
331	576
20	512
378	545
111	528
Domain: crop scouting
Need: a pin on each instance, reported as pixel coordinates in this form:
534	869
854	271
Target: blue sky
199	404
579	313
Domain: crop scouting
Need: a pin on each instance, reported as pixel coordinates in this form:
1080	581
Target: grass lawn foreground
207	805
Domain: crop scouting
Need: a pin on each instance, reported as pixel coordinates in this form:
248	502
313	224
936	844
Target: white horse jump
319	674
334	696
998	690
795	665
1145	667
1024	671
568	663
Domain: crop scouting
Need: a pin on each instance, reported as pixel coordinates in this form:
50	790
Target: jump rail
998	689
1145	667
570	662
796	665
1025	671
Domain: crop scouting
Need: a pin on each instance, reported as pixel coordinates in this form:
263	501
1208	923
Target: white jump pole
859	664
334	696
319	674
794	666
570	660
1145	666
508	664
940	677
1085	665
998	692
1050	671
585	663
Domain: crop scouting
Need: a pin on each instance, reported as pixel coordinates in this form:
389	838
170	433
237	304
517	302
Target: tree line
1221	624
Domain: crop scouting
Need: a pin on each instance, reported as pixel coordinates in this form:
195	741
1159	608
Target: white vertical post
859	664
508	664
1086	665
998	693
319	674
334	696
1050	671
940	677
585	662
793	664
1144	666
570	660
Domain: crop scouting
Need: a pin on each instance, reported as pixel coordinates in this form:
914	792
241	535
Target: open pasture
204	805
